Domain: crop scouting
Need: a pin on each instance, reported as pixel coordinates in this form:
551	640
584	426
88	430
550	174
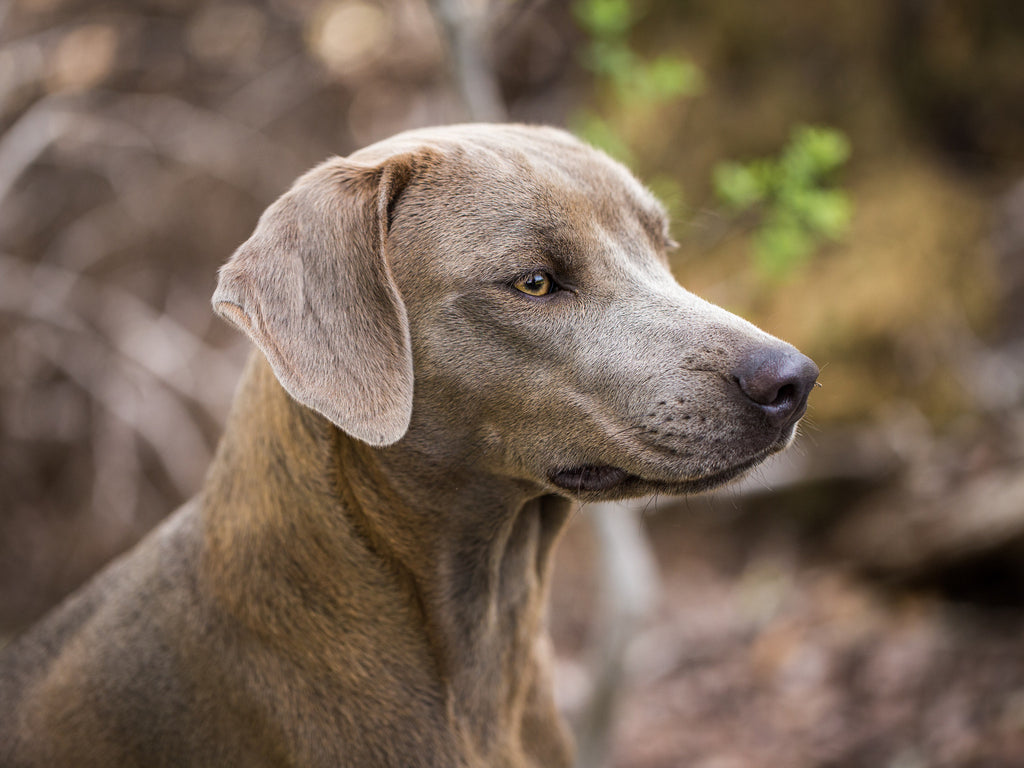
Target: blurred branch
464	27
628	591
205	139
22	63
157	416
272	93
192	136
511	15
154	342
42	124
903	532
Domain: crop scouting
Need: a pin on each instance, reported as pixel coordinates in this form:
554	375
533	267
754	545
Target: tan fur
362	579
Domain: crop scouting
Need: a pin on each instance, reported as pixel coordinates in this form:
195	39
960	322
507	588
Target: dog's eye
536	284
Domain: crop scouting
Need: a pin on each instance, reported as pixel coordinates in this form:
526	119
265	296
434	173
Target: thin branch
628	589
41	124
156	343
158	417
464	28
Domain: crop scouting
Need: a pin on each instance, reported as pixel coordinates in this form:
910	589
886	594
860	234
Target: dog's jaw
592	483
589	479
603	482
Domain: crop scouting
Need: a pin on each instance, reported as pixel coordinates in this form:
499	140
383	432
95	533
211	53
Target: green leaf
781	245
813	153
828	213
738	185
827	148
666	78
604	18
798	211
611	59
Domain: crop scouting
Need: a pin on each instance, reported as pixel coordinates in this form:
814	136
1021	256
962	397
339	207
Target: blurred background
849	175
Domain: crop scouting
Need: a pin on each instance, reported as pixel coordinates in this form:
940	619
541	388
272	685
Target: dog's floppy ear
313	289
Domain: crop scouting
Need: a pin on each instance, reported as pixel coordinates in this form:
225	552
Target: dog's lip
709	481
599	478
589	478
596	480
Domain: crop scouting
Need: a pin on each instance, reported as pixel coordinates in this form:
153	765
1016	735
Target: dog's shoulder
60	664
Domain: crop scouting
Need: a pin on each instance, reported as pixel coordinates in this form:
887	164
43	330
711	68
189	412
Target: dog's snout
778	381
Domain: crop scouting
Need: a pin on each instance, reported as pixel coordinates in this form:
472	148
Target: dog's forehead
533	178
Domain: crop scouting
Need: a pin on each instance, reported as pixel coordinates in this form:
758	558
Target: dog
460	332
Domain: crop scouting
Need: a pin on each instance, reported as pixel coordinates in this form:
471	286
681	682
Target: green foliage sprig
798	209
638	84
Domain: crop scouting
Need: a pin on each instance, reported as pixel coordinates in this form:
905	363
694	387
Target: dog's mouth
605	481
593	479
589	479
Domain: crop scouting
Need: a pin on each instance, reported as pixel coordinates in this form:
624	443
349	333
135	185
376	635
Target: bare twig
42	124
272	93
156	343
464	27
157	416
202	138
628	590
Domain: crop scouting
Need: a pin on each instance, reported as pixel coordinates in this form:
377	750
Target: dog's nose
778	381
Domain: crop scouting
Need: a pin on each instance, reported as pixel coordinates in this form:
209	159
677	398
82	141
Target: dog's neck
462	576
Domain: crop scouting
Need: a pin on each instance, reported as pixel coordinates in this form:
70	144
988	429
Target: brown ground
763	653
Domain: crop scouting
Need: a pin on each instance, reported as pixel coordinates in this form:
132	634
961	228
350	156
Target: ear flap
313	290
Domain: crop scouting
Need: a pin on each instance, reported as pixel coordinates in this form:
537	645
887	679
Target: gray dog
460	330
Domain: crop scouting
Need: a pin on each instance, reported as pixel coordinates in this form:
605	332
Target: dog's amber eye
536	284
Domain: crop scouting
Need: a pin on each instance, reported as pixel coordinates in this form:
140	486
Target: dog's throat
591	479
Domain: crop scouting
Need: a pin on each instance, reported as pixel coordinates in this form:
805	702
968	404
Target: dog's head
505	289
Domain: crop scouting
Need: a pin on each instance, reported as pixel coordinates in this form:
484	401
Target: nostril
786	393
778	381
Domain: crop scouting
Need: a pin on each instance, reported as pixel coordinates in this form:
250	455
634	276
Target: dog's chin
590	478
601	482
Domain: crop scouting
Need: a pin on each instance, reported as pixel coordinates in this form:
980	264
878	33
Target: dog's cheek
475	341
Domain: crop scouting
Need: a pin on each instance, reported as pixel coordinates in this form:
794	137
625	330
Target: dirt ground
764	653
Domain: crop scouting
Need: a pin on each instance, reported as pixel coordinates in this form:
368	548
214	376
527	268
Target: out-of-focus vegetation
635	85
797	207
629	89
867	613
790	193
